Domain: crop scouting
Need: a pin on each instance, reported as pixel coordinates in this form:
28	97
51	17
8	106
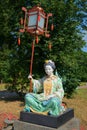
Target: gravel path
85	86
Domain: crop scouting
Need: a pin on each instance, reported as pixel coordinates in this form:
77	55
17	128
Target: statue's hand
47	97
30	77
51	96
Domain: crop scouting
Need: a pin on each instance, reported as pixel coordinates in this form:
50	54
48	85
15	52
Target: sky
84	49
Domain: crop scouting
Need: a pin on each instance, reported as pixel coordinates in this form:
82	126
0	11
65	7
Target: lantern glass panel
41	22
32	21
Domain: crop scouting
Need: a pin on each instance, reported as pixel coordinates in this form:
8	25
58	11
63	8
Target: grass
2	86
83	83
82	93
79	103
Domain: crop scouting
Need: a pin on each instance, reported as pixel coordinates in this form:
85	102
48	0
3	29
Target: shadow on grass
9	96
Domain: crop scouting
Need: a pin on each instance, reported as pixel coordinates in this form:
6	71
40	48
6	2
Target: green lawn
2	86
79	103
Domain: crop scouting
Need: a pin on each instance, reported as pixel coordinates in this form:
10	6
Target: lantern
36	21
21	21
19	41
50	46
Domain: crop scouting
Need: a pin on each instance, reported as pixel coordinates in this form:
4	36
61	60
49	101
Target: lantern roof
36	8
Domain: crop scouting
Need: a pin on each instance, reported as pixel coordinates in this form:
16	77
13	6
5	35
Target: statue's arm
37	85
59	90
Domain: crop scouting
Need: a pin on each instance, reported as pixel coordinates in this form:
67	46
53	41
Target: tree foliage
69	19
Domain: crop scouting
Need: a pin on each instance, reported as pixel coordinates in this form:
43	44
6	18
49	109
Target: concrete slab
72	124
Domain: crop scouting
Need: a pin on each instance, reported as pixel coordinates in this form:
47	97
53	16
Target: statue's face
48	70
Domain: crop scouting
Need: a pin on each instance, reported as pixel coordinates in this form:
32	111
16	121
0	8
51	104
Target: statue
47	94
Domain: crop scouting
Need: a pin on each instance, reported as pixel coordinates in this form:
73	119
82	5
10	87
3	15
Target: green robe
50	98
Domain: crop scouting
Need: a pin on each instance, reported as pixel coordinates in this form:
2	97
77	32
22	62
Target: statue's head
49	67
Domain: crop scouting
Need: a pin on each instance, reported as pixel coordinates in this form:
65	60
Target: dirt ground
10	106
11	103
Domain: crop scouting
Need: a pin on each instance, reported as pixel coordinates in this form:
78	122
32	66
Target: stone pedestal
47	120
72	124
34	121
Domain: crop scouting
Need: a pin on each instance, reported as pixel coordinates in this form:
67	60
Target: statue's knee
55	101
28	96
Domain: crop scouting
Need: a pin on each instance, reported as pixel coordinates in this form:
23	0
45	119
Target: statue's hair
51	63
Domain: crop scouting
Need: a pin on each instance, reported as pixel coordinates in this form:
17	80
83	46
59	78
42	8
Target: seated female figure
50	94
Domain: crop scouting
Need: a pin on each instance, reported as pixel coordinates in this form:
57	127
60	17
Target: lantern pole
34	28
31	64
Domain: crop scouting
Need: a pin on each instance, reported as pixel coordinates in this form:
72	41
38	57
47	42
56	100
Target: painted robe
50	96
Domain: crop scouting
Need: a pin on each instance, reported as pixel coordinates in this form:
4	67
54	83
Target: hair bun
51	63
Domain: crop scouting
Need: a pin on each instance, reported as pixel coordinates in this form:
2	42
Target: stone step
72	124
8	128
8	122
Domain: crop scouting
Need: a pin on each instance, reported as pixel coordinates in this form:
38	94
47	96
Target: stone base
47	120
72	124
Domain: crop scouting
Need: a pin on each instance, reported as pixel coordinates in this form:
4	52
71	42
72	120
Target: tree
4	64
82	66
